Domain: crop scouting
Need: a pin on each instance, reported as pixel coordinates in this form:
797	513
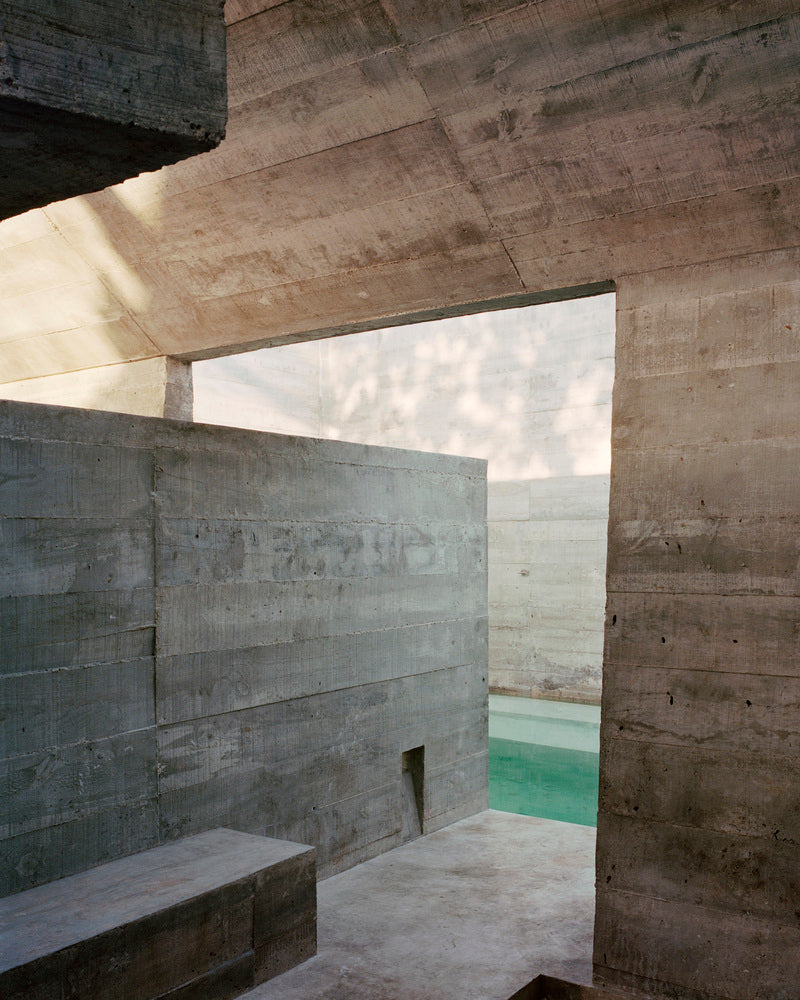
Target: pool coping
565	725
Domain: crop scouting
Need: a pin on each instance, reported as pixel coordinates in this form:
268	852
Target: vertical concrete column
698	867
178	389
153	387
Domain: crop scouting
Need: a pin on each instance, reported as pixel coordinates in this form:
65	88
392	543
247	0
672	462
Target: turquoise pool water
544	758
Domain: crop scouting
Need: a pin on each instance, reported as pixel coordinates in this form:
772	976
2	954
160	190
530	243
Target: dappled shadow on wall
528	389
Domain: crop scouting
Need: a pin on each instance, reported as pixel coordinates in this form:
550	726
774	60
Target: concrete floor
472	912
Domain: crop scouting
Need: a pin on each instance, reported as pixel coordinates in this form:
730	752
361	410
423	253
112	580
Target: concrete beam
93	92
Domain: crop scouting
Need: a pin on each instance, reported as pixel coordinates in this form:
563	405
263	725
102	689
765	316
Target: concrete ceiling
401	158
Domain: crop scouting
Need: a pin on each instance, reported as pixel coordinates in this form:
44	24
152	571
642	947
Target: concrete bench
208	917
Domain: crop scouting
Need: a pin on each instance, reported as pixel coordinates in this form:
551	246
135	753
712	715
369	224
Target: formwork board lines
191	740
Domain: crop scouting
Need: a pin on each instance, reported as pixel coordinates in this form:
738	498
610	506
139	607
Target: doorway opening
528	389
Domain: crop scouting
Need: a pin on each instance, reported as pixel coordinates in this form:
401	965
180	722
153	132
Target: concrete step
550	988
209	917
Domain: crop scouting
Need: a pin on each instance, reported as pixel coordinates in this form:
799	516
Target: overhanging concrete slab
93	92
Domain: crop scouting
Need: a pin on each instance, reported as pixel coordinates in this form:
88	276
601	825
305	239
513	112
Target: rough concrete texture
698	865
462	154
93	92
211	916
472	912
424	157
204	627
527	389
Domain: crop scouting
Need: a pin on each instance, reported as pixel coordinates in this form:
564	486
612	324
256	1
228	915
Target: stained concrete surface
207	627
472	912
74	909
92	93
189	918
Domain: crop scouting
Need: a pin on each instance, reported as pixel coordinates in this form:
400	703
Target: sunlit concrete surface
472	912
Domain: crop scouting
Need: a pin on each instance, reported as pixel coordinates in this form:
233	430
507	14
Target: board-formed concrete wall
528	389
205	627
698	849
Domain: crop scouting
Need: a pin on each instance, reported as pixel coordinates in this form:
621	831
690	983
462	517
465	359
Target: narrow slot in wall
412	770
